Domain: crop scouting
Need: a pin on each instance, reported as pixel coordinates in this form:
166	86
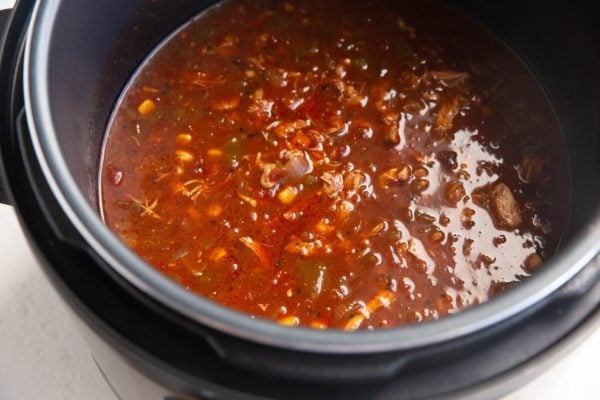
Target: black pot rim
557	271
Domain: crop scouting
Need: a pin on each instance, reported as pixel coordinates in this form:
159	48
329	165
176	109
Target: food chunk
446	114
532	262
531	167
146	107
505	208
382	299
227	104
455	191
287	195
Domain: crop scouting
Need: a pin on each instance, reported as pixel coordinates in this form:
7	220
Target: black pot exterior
4	74
127	327
12	30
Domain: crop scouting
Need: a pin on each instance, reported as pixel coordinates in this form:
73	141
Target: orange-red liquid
341	164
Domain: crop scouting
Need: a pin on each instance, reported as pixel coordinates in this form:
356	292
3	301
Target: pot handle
8	46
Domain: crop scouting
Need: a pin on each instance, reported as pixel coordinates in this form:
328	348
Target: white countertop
43	357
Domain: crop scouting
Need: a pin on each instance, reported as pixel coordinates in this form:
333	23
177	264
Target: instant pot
63	63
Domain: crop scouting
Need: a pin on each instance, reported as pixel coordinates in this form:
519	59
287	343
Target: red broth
337	164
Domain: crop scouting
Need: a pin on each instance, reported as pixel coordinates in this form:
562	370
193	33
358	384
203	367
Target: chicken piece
455	191
446	114
532	262
258	249
297	246
299	163
261	109
531	167
384	96
357	180
226	104
392	135
382	299
271	175
351	95
394	175
333	184
505	209
206	81
284	130
227	45
344	209
449	78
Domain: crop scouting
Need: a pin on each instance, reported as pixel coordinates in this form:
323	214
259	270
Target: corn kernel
287	195
250	74
183	138
146	107
289	321
323	227
318	325
214	210
217	254
302	140
215	153
344	210
184	156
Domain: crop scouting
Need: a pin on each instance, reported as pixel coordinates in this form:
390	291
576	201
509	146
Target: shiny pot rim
86	220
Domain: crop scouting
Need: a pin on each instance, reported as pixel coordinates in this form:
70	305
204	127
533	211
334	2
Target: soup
336	164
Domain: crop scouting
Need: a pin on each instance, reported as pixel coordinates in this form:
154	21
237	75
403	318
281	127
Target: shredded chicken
358	183
286	129
226	104
271	175
333	184
205	81
455	191
248	199
446	114
297	246
531	168
260	108
377	229
393	175
148	208
449	78
382	299
258	249
193	189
